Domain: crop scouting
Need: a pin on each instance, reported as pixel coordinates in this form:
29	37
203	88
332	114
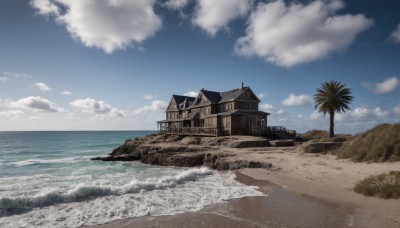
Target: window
247	106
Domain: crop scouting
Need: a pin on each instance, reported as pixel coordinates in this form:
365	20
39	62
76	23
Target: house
233	112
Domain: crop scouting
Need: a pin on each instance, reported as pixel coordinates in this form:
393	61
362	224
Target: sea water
48	180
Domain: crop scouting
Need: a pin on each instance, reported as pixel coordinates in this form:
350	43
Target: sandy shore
304	190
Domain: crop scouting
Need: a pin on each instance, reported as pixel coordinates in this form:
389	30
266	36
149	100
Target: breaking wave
82	192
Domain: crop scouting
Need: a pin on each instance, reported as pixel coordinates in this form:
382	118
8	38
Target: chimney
242	85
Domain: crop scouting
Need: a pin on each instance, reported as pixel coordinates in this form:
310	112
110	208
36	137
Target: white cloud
34	103
66	93
176	4
11	115
45	7
297	100
3	79
396	109
387	85
395	36
156	105
316	115
149	97
212	15
267	108
191	94
41	86
288	35
362	113
262	95
378	112
16	75
106	24
34	118
90	105
272	110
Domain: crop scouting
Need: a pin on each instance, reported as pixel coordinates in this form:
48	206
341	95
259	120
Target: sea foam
83	191
188	191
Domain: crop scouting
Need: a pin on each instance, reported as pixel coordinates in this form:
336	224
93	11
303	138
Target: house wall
172	115
226	106
236	125
242	105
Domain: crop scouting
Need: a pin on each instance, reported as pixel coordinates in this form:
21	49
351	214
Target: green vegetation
385	185
332	97
379	144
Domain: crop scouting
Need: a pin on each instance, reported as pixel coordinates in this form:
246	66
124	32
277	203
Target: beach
292	189
303	190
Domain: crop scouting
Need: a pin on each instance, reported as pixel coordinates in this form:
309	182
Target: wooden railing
214	131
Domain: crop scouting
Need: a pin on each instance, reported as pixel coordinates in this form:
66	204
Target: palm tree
332	97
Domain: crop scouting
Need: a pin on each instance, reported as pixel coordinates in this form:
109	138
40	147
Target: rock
117	158
186	151
245	144
321	147
173	138
282	143
190	141
179	160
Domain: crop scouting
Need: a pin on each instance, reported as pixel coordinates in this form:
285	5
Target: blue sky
114	64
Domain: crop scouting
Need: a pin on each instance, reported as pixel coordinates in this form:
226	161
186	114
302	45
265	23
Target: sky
114	64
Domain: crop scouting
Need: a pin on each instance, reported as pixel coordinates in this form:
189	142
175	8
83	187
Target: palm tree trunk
332	124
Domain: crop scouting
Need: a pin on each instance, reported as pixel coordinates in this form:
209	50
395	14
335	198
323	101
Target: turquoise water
47	179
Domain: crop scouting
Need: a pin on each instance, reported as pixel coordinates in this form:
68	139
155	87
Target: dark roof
183	102
221	97
213	97
236	111
231	94
179	99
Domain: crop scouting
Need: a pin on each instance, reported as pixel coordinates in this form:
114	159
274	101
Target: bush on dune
385	185
379	144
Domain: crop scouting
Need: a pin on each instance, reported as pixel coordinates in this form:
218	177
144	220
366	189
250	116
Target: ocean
48	180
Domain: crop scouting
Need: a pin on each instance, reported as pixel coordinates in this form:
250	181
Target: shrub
385	185
379	144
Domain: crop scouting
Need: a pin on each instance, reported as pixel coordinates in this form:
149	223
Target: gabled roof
213	97
235	93
221	97
183	102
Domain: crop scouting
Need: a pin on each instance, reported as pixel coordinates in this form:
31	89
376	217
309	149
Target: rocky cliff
188	151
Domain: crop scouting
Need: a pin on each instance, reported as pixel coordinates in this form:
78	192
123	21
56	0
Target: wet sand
279	208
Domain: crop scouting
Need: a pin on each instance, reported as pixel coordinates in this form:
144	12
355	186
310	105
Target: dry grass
385	185
379	144
313	134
